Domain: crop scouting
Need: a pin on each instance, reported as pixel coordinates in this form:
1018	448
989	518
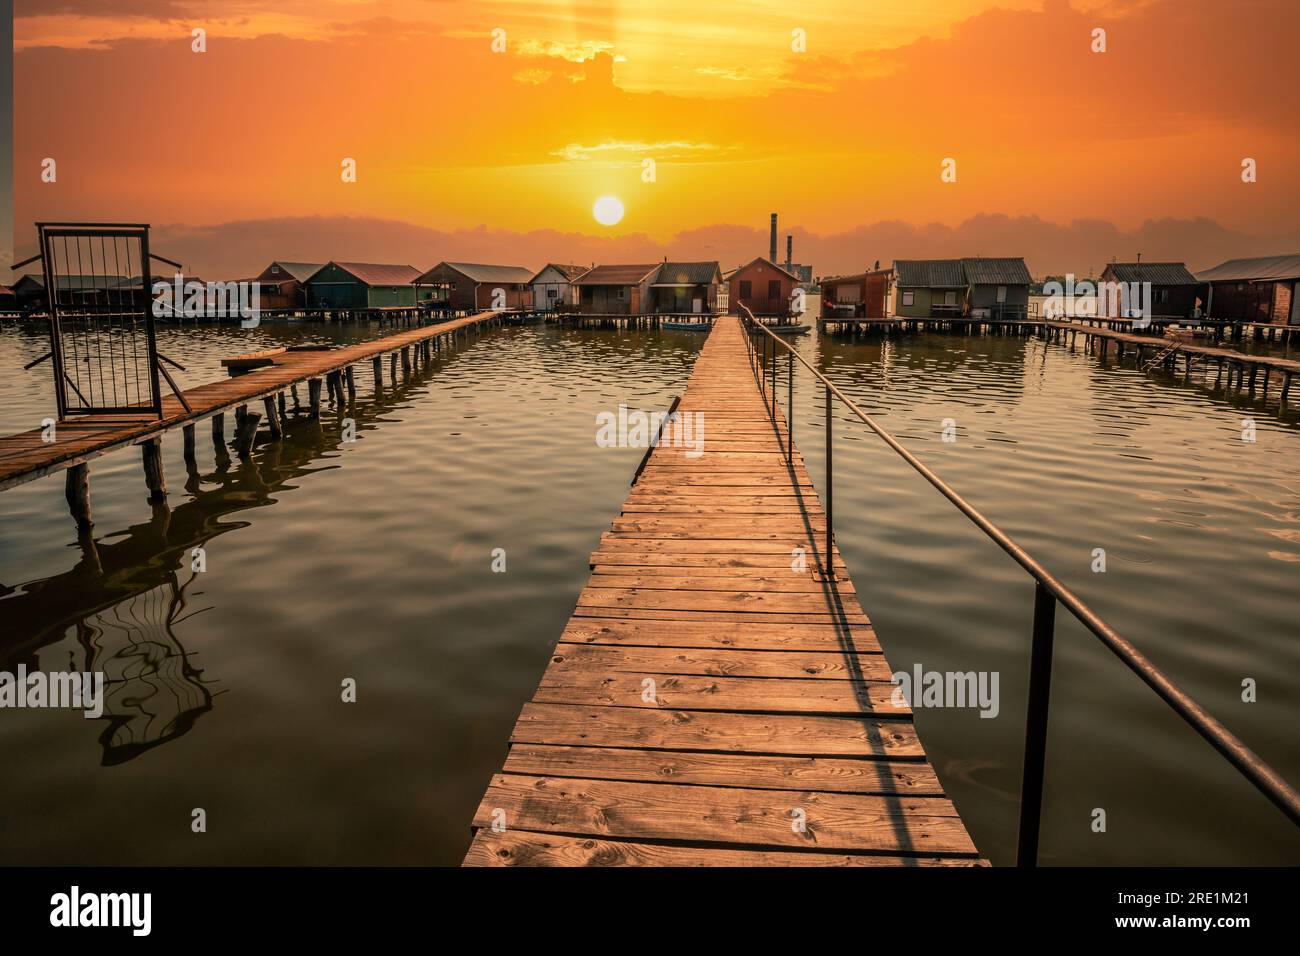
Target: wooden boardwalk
25	456
710	702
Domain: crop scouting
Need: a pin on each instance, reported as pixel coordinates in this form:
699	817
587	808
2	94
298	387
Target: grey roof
931	273
1157	273
373	273
479	272
687	273
616	274
996	272
1262	268
302	271
568	271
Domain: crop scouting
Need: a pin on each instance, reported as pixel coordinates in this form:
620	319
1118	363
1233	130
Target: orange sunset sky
1065	156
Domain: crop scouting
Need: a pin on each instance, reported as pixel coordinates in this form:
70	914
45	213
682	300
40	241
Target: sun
608	210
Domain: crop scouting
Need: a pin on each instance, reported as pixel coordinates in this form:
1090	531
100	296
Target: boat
702	326
796	328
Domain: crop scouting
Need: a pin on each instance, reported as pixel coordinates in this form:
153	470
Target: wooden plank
754	818
805	665
762	636
831	774
522	848
731	694
800	734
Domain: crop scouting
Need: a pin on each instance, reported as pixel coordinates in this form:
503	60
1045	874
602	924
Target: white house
552	287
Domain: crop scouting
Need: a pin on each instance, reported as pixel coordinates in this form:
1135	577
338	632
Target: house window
774	288
1002	293
275	270
746	289
622	293
552	293
1164	295
950	298
909	298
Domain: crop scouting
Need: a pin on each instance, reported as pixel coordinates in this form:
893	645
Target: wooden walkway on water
709	703
27	456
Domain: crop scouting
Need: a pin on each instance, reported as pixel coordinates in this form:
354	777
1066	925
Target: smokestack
789	251
772	250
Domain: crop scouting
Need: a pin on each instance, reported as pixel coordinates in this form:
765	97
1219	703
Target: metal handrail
1048	592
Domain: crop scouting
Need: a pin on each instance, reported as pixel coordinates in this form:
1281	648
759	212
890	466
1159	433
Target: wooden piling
154	479
77	491
272	417
377	365
352	383
246	432
187	434
313	396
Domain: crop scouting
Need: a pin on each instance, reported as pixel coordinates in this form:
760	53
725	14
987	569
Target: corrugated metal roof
479	272
1157	273
616	274
373	273
996	271
302	271
687	273
569	272
1262	268
930	273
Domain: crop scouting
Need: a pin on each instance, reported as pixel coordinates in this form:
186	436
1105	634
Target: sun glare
608	210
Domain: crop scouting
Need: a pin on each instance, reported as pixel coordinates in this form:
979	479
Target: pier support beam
219	437
151	452
77	491
272	417
377	365
313	396
246	432
352	383
187	434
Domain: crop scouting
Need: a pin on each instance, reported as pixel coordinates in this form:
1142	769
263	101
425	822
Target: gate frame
49	230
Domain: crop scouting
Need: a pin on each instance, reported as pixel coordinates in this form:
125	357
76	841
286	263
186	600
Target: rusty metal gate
100	297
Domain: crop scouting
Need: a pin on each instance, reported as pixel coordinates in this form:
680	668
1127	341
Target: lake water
372	561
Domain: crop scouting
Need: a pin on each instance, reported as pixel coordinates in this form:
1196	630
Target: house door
697	303
1295	305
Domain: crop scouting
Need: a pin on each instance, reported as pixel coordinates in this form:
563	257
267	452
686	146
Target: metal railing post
1040	685
789	412
830	488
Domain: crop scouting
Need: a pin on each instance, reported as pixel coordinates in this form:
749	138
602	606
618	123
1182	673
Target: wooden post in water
219	435
187	434
377	365
246	432
406	359
392	367
77	490
282	405
313	396
272	417
352	384
151	450
297	405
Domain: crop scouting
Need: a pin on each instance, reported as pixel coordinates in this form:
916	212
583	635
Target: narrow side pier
1241	369
717	698
27	456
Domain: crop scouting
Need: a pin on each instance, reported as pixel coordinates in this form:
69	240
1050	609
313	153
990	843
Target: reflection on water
153	691
371	560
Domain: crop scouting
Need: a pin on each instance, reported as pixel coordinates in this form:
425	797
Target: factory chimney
789	251
772	250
